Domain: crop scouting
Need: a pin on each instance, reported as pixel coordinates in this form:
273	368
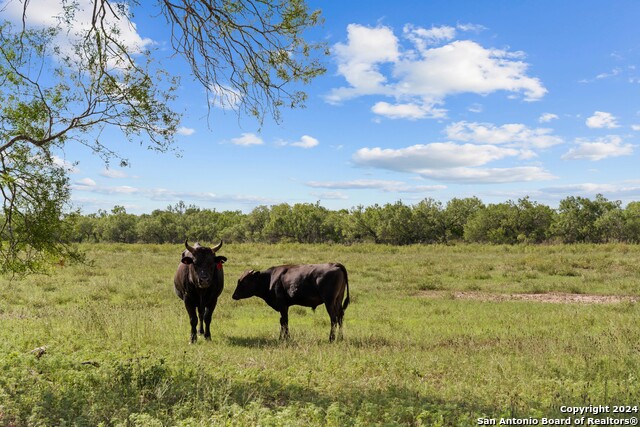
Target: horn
189	248
217	247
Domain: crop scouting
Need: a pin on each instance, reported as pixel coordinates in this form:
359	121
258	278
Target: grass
117	351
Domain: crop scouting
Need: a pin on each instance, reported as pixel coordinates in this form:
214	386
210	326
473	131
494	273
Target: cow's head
247	285
204	262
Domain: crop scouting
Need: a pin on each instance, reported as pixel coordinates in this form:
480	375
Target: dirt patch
551	297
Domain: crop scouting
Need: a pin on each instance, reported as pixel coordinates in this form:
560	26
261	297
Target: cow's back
310	284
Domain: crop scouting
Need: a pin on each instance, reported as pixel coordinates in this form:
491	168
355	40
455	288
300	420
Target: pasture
431	337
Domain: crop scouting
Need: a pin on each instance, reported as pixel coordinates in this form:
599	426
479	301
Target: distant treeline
576	220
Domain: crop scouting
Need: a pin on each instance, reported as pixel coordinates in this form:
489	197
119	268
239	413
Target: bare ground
551	297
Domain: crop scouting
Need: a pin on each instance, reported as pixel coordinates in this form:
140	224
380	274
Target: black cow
308	285
199	282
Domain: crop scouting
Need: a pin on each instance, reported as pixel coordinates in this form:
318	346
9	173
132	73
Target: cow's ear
221	259
186	260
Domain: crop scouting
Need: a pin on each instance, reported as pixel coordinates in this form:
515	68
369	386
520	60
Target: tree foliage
69	80
582	220
510	222
34	191
426	222
247	53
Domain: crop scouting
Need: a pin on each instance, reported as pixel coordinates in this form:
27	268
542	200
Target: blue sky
438	99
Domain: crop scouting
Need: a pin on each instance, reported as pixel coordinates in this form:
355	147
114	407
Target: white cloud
86	182
635	127
466	163
331	195
359	58
373	62
547	117
407	111
164	194
489	175
422	37
626	192
465	66
65	164
471	27
114	173
375	184
224	97
601	148
527	154
185	131
606	75
306	142
602	120
611	73
46	13
513	135
437	155
586	188
476	108
247	139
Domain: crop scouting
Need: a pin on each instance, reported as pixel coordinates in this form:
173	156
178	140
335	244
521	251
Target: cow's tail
345	304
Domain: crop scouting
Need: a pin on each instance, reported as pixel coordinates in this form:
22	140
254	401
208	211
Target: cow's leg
340	317
208	313
332	332
193	318
333	316
201	315
284	323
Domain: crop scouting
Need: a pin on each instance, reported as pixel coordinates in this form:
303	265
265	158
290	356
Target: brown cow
199	282
308	285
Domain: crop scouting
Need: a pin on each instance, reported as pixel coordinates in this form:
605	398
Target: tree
496	223
159	227
120	226
577	219
533	221
611	226
429	222
510	223
69	80
255	223
363	223
309	222
85	227
457	213
395	225
281	227
632	222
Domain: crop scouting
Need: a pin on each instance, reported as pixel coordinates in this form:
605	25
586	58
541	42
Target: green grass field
117	352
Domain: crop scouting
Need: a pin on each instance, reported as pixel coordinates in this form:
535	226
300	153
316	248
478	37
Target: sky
421	99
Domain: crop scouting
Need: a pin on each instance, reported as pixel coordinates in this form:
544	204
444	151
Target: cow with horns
199	282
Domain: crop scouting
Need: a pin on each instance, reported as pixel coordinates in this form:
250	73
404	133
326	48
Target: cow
198	282
308	285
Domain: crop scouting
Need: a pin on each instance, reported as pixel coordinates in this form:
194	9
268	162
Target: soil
551	297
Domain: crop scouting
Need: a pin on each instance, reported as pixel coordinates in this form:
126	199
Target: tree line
576	220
